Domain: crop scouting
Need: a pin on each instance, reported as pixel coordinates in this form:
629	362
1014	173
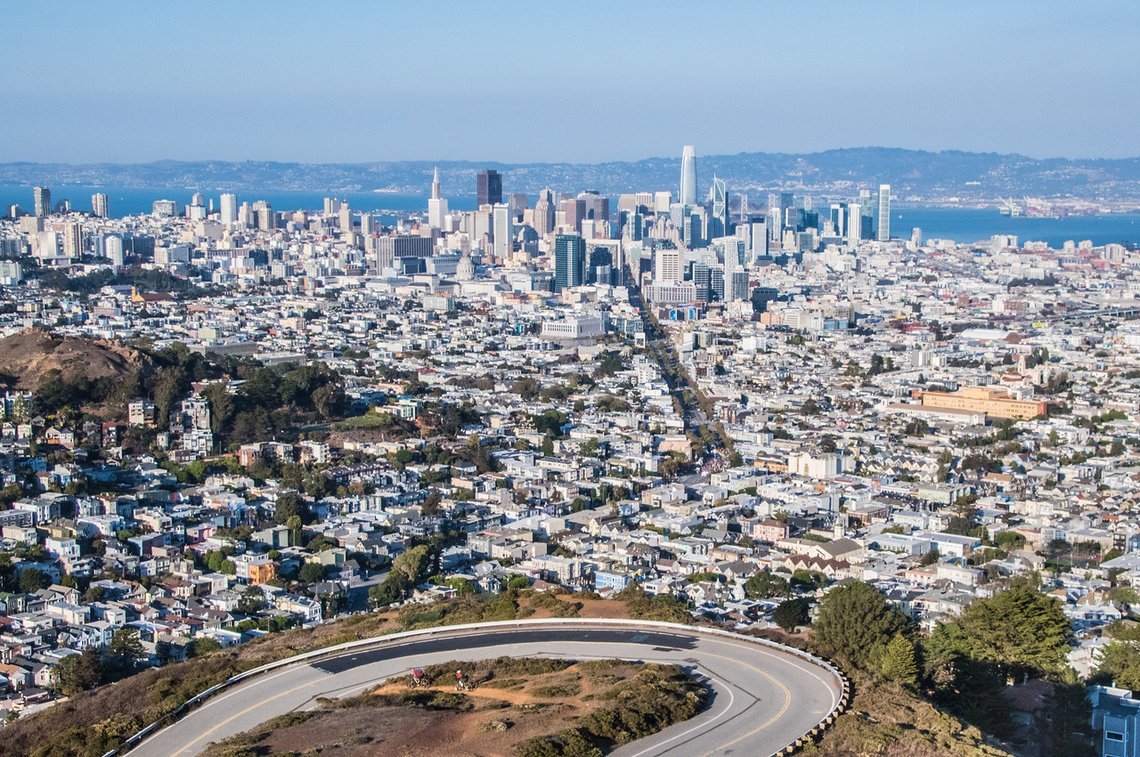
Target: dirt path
501	695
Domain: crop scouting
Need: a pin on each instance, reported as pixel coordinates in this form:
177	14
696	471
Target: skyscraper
229	208
718	211
73	241
667	267
502	230
544	213
113	249
854	224
689	175
569	261
99	205
437	206
489	190
884	212
42	199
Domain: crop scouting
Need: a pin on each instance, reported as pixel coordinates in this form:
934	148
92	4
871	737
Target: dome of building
465	271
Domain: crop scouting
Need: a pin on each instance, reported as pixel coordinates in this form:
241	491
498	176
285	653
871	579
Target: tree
1019	630
791	613
855	624
288	506
900	661
32	580
1120	660
413	563
766	585
78	672
328	400
252	601
124	652
204	645
462	586
311	572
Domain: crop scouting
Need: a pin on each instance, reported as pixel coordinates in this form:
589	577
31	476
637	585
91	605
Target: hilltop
93	722
26	357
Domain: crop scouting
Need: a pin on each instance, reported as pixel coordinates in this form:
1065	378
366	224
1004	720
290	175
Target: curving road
764	696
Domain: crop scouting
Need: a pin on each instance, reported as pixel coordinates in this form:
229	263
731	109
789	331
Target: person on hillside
460	681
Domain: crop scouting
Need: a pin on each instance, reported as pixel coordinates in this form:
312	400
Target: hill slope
29	355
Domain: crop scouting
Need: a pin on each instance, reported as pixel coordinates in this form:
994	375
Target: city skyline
991	72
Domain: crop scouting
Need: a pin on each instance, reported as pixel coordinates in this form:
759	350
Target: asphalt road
763	698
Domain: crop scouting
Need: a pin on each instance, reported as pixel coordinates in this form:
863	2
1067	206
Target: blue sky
585	81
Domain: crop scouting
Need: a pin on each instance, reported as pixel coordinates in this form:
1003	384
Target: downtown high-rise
41	196
688	175
884	212
489	188
569	261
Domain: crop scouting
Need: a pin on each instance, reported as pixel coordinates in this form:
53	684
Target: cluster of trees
273	401
144	280
91	668
964	664
409	568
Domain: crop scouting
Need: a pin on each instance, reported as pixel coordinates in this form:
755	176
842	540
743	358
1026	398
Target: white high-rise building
854	224
229	208
113	250
501	230
73	241
884	212
689	175
99	205
437	206
667	267
47	246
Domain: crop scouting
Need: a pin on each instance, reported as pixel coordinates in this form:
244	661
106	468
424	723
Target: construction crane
1009	207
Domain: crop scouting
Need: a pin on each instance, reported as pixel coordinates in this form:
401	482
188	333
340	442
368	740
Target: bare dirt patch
517	703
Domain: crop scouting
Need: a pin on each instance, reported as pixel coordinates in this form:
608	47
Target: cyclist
417	677
460	681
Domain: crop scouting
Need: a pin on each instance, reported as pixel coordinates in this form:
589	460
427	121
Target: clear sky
583	81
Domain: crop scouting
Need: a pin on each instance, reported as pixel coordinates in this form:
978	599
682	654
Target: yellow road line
246	711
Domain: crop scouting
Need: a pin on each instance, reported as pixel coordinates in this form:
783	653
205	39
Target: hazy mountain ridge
922	174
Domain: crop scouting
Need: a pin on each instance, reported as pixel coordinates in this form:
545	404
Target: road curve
764	696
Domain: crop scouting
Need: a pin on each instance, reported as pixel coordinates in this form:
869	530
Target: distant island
919	176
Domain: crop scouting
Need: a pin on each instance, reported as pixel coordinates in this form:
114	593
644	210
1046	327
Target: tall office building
854	224
42	198
229	208
264	217
667	267
544	213
99	205
689	175
718	209
196	210
502	231
569	261
884	212
437	206
489	189
573	211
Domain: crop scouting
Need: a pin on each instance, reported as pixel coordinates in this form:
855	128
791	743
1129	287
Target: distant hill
29	355
929	176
